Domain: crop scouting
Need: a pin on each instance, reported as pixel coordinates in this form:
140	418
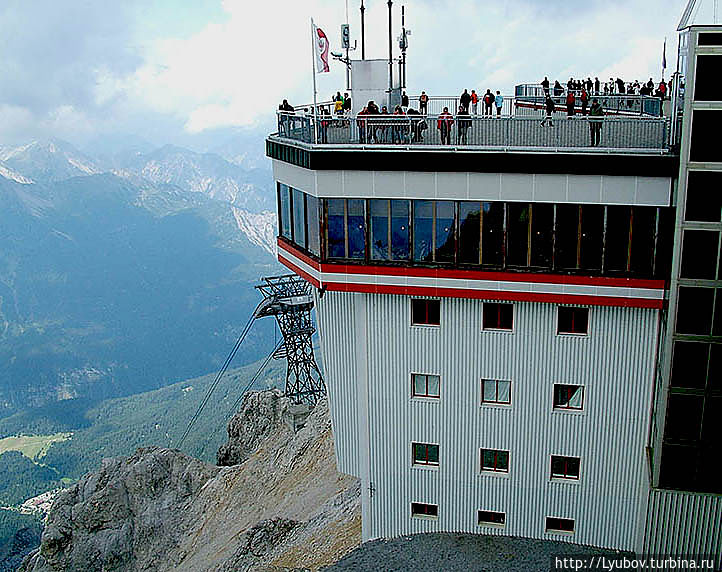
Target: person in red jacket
444	124
570	103
584	98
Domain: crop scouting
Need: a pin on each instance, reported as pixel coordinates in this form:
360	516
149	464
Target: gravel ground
449	552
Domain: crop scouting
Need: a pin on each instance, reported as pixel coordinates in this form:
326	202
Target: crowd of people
612	87
381	125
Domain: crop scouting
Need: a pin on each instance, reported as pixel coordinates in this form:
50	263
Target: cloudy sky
185	72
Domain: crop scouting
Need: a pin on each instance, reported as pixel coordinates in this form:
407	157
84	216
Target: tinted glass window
567	236
314	230
644	223
492	240
707	78
426	312
665	237
445	243
469	232
284	210
356	226
497	316
714	381
706	129
379	217
572	320
400	248
590	251
694	310
699	254
684	417
689	364
542	227
336	228
423	230
616	247
709	39
298	205
678	467
704	196
517	233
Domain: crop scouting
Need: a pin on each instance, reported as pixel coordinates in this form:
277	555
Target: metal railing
495	132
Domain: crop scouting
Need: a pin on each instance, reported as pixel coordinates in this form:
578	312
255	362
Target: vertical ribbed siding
335	313
684	523
615	364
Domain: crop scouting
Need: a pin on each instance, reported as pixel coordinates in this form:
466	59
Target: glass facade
542	237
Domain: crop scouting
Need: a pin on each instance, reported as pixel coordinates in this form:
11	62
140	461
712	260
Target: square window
425	312
494	461
498	316
425	454
423	385
694	310
699	254
555	524
496	391
491	518
568	396
423	510
565	468
572	320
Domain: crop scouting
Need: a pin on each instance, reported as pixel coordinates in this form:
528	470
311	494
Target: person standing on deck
423	103
499	102
584	98
465	100
549	108
474	101
571	100
444	124
595	122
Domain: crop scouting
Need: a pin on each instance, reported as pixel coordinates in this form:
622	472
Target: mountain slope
284	507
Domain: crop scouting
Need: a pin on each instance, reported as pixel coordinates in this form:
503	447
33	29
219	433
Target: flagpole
313	73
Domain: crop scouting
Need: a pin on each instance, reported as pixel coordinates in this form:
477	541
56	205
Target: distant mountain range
121	273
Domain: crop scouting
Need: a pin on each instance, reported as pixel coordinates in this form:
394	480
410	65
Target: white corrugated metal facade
370	350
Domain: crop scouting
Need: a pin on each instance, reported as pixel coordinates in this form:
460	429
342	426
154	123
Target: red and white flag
320	47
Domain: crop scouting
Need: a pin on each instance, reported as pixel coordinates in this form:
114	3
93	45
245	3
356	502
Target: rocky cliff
282	506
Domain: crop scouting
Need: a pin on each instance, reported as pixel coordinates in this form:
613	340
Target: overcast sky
182	72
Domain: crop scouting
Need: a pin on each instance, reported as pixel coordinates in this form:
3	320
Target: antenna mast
363	32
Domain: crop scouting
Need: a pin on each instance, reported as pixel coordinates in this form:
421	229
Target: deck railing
617	133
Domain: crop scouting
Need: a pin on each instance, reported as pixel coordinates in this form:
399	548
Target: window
542	227
425	454
517	232
345	231
495	391
555	524
389	229
423	510
572	320
298	205
706	127
494	461
699	254
616	249
336	228
694	310
684	418
425	312
591	237
490	517
492	235
498	316
644	227
434	236
469	232
689	364
568	396
284	210
314	229
423	385
565	468
567	236
704	196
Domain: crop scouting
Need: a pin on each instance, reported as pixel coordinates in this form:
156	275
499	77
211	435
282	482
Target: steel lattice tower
289	299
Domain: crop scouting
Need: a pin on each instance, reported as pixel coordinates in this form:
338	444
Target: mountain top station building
521	332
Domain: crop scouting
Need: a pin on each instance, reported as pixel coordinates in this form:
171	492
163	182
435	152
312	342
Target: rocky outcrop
282	507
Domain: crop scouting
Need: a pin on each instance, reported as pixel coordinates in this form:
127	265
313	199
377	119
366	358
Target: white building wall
614	362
